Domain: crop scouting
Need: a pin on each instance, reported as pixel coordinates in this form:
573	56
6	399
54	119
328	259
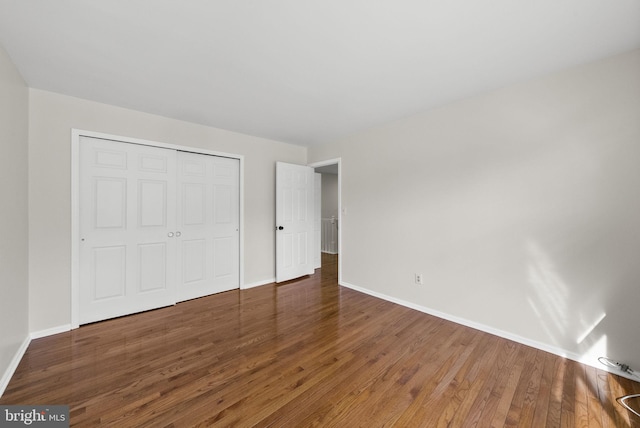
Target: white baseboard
6	377
258	283
588	360
50	331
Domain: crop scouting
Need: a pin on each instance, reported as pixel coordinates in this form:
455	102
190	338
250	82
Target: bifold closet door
127	228
208	223
157	226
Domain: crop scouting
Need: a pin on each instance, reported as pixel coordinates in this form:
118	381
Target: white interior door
294	221
208	225
127	224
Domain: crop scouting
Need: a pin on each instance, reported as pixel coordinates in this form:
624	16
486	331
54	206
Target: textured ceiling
302	71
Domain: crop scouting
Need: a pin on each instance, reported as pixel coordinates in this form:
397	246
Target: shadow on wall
560	317
598	323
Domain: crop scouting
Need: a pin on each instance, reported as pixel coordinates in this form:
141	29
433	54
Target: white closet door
127	226
208	225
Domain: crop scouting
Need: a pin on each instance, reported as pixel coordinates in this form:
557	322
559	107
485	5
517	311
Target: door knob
280	227
170	234
178	233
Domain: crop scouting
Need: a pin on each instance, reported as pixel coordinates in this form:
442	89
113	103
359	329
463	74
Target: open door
294	221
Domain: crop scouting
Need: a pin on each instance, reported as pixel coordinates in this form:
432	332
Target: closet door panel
127	214
226	199
208	223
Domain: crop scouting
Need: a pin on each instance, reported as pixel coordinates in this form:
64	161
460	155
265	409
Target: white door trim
340	212
75	204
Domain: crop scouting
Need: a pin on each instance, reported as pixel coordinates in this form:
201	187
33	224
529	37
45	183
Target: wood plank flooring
308	353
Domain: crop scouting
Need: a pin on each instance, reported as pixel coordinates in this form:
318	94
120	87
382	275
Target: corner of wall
14	264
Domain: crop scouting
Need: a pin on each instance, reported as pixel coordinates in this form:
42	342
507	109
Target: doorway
331	209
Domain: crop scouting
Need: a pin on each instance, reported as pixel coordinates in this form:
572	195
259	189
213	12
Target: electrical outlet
418	279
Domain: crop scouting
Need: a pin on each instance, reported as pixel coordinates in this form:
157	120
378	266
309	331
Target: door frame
327	162
76	134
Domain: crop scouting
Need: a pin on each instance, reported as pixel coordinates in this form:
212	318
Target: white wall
520	207
51	118
14	320
329	195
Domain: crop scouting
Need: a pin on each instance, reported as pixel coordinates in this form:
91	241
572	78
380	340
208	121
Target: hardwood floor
308	353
